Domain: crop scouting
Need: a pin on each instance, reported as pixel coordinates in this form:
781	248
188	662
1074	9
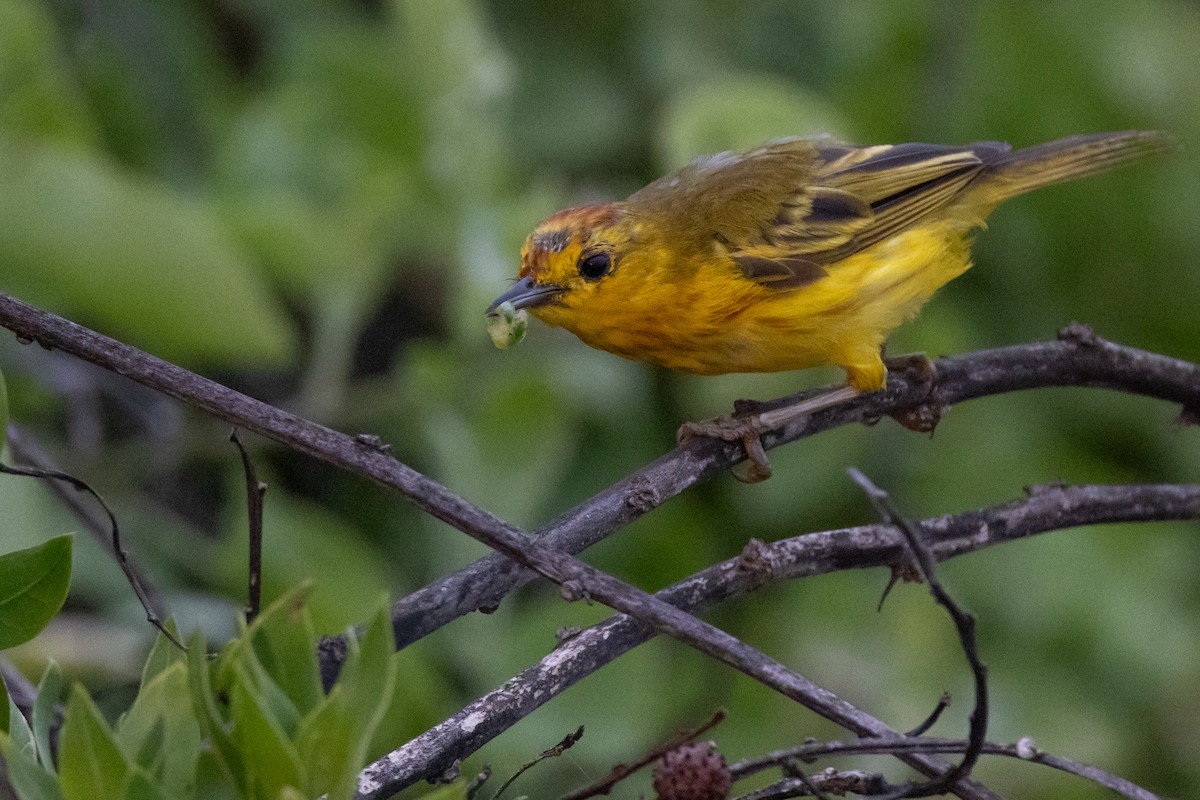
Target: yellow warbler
798	253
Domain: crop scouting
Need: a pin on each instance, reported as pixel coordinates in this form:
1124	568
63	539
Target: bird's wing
856	198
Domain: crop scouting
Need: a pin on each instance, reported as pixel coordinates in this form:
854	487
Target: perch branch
1076	358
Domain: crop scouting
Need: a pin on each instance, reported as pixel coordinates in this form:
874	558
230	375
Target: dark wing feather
857	198
788	272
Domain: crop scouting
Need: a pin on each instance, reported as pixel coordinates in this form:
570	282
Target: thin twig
1078	358
839	783
121	555
26	452
890	746
622	771
964	624
255	489
942	704
566	743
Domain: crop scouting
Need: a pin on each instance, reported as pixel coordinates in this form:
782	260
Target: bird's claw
733	429
925	415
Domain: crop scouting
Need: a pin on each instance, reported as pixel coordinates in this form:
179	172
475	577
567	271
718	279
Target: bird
798	253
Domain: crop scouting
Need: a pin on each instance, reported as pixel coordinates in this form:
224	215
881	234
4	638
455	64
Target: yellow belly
844	318
721	322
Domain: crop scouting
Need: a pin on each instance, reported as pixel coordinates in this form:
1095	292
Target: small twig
839	783
622	771
27	453
567	743
942	704
806	781
121	555
578	580
906	744
1074	359
964	623
255	489
475	784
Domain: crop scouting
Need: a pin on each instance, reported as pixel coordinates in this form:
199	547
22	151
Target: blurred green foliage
249	721
314	201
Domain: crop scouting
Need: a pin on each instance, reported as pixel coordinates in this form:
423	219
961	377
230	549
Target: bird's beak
525	293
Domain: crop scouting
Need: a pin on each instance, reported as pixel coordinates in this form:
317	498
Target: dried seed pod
694	771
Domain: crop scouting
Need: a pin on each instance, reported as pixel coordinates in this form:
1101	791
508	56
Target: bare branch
1078	358
1045	509
839	783
1072	360
964	623
1022	750
255	489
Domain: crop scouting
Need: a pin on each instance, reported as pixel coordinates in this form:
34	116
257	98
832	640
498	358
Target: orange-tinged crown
551	252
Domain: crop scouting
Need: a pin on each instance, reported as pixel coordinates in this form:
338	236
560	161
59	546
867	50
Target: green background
314	201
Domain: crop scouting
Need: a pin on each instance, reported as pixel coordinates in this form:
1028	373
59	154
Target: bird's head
569	263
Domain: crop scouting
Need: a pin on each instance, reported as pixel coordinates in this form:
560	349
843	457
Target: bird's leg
748	430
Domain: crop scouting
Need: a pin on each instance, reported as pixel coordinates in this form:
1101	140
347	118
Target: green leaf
44	713
163	655
37	98
271	760
278	705
30	780
327	744
214	780
213	725
285	643
21	735
333	740
160	732
369	672
91	764
141	786
33	586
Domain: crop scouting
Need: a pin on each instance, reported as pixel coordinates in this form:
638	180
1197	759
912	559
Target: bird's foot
733	429
749	429
925	415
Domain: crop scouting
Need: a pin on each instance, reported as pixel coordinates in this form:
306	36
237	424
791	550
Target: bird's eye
594	266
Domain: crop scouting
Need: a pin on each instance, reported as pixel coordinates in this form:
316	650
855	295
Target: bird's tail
1031	168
